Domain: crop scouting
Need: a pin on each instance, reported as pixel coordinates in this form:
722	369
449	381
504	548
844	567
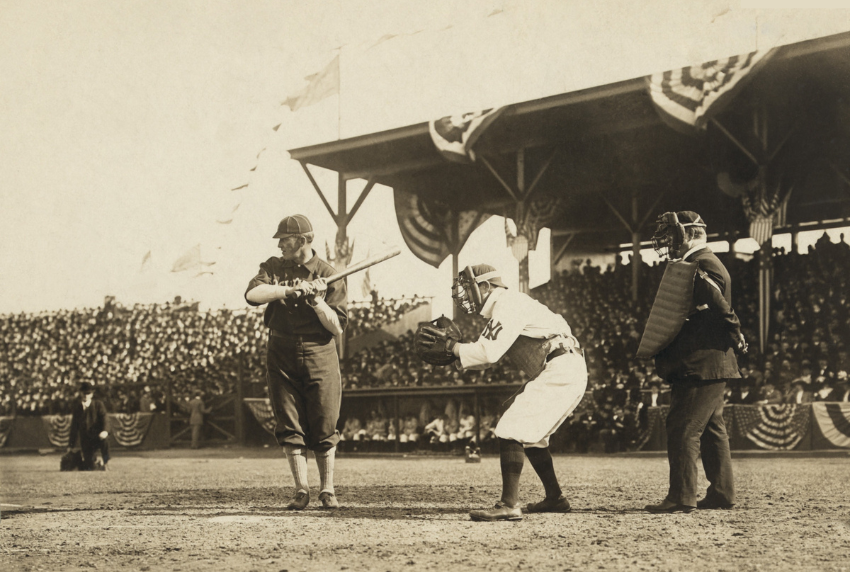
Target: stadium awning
611	161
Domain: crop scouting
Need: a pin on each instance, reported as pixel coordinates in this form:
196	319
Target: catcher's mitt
434	341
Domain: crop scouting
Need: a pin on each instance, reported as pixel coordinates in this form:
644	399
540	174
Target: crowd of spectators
137	354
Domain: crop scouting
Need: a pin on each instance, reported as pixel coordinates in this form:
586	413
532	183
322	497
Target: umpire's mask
670	233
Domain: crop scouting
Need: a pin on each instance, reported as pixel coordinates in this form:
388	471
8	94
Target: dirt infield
223	510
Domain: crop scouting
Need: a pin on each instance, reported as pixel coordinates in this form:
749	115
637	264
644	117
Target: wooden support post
635	249
238	406
168	407
395	422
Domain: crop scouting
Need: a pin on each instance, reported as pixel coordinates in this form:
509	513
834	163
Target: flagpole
339	95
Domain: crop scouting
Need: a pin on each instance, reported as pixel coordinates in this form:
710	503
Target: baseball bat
363	265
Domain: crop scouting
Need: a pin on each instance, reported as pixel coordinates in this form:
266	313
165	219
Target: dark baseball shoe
714	504
666	507
328	499
500	512
560	504
300	501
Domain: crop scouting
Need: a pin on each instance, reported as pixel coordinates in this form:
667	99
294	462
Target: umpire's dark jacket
87	423
703	350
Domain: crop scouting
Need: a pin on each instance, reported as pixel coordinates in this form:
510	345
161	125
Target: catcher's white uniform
546	401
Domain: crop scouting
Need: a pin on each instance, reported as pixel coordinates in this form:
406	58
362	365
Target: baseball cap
486	272
86	388
690	218
295	224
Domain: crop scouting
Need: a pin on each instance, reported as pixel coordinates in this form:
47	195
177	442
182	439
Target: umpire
697	363
303	315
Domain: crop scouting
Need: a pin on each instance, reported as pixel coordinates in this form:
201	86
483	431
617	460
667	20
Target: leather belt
561	350
276	334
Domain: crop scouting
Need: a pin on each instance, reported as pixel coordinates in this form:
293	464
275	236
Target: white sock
325	461
298	465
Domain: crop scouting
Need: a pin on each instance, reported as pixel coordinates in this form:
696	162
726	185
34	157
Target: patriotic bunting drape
775	427
455	135
130	429
430	229
58	429
262	411
5	428
687	98
834	422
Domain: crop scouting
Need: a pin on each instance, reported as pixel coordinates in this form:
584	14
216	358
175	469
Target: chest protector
673	303
529	355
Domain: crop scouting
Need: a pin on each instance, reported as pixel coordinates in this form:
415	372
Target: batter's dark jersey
295	316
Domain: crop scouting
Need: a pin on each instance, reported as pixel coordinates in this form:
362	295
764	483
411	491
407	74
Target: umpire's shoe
300	502
500	512
667	507
328	499
713	503
560	504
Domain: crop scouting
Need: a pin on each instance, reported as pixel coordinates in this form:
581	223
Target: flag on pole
687	98
320	86
455	135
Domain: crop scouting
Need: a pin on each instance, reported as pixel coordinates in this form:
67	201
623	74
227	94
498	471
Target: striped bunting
687	98
263	413
455	135
426	226
775	427
129	429
5	428
834	422
58	429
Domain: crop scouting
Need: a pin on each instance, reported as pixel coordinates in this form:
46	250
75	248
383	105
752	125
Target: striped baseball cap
295	224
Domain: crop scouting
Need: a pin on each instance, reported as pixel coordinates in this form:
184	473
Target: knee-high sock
541	460
325	461
297	457
512	459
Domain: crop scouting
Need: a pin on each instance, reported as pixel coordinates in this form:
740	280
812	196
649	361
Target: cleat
560	504
299	502
500	512
328	499
473	458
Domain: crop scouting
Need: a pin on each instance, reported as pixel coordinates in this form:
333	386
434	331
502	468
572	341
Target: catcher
540	343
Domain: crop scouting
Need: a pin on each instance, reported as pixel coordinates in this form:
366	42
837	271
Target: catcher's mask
465	291
670	234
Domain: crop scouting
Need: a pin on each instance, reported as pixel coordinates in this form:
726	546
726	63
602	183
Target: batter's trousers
305	391
695	428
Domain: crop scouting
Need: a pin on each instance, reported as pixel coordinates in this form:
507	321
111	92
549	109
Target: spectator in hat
197	410
89	429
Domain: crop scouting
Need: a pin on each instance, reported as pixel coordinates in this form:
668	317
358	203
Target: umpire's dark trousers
305	390
695	427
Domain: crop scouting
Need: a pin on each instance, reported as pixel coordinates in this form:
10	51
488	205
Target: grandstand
171	350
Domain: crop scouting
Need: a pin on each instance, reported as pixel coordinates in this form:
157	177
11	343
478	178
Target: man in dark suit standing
697	364
88	425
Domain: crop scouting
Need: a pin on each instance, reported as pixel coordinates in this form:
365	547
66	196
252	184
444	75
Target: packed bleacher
138	354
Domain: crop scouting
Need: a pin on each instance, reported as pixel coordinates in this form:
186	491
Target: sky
125	125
